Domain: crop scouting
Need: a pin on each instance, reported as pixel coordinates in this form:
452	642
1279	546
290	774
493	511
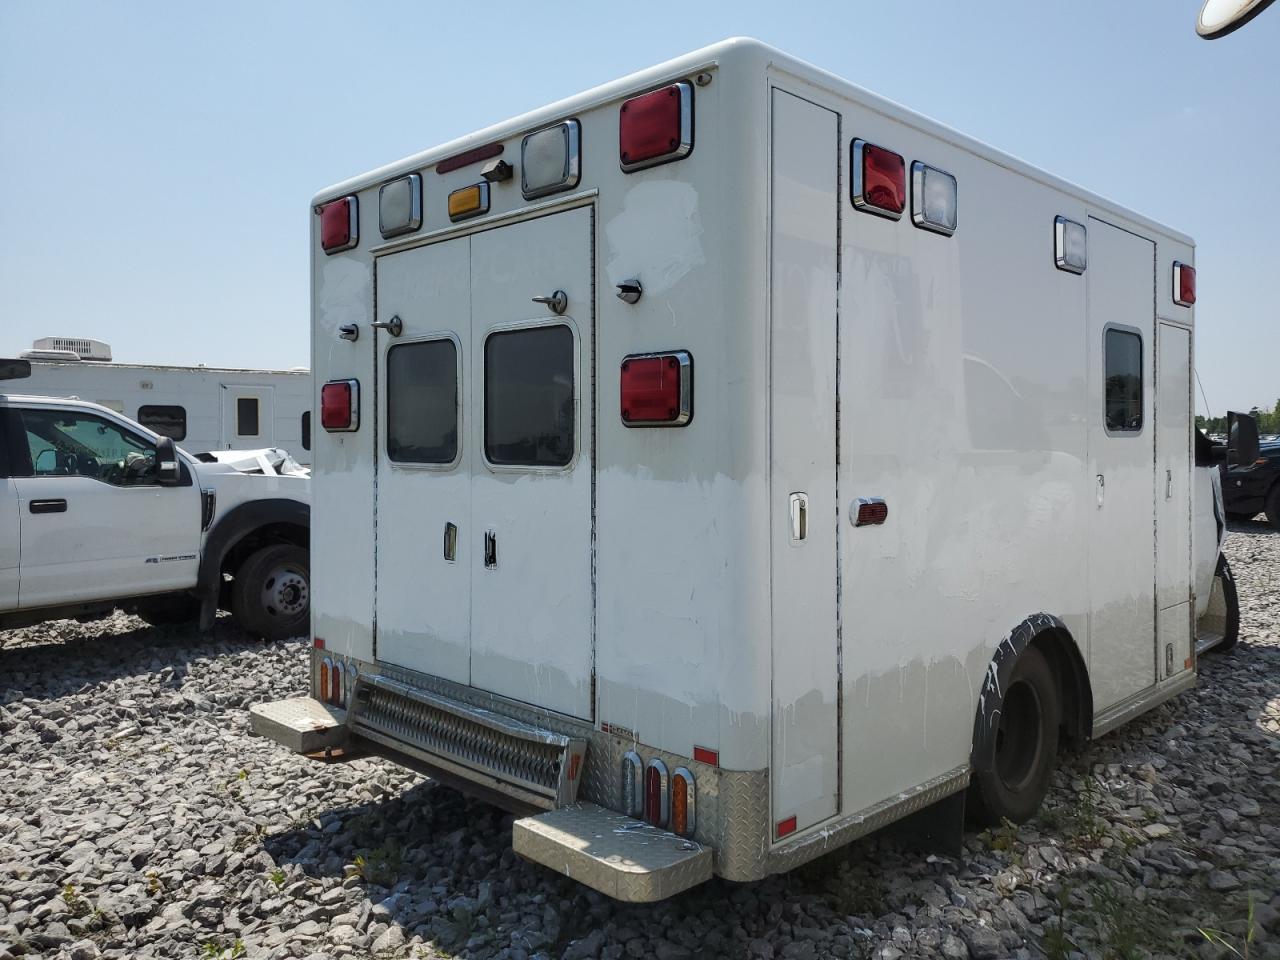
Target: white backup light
549	160
933	199
1070	245
400	206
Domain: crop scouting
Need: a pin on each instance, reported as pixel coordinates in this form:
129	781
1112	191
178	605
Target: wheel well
266	535
1074	690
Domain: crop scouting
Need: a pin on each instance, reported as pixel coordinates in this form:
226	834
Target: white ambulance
200	408
728	462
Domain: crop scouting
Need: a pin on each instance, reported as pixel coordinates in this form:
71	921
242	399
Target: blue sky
159	157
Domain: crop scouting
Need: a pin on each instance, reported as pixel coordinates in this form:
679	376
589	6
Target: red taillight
1184	284
339	225
656	127
786	826
683	803
335	685
879	180
871	511
703	755
340	405
656	798
322	688
318	643
657	390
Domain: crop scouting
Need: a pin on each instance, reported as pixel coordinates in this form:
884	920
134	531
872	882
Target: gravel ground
139	818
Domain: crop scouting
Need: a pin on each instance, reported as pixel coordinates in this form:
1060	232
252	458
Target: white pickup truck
99	513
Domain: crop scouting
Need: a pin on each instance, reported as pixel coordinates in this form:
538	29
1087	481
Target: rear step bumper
531	765
613	853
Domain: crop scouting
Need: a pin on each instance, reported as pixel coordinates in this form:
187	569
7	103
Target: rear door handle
48	506
490	548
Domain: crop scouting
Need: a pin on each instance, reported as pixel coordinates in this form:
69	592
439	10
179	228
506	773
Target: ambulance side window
529	396
422	402
1122	359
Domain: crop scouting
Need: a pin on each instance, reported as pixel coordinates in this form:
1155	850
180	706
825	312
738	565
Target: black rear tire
1240	517
271	595
1010	782
1223	580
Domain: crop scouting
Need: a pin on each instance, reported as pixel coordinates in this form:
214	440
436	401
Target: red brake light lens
656	799
339	225
657	390
656	127
340	405
1184	284
879	180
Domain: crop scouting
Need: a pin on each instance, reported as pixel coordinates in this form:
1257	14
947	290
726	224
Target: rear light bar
879	180
468	157
656	389
340	406
1070	245
656	127
339	225
1184	284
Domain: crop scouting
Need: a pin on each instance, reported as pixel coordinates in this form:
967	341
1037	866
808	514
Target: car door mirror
1242	439
15	369
167	471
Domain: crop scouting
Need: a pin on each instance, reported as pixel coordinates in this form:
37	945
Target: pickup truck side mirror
167	472
1242	439
15	369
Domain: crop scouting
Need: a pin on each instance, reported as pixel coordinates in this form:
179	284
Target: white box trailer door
804	516
1121	431
484	497
248	417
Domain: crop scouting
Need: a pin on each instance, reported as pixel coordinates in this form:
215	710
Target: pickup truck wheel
167	611
271	595
1224	603
1015	775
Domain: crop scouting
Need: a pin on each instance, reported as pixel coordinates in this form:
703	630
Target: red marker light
1184	284
786	826
340	405
703	755
656	127
657	390
339	225
871	511
879	180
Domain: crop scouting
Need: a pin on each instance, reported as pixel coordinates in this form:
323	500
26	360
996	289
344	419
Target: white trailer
200	408
730	462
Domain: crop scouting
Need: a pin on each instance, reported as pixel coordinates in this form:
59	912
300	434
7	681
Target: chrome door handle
1168	484
799	516
450	541
1102	490
557	303
394	326
490	548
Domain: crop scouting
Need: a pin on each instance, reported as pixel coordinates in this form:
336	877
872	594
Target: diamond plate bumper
615	854
303	725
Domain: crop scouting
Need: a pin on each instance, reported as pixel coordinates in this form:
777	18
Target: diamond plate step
302	724
613	853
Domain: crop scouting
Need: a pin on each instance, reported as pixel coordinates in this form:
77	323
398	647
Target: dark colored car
1248	491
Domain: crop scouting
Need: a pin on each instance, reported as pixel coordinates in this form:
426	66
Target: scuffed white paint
657	236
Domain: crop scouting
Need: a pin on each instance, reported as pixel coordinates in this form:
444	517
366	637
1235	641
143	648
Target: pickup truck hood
269	461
